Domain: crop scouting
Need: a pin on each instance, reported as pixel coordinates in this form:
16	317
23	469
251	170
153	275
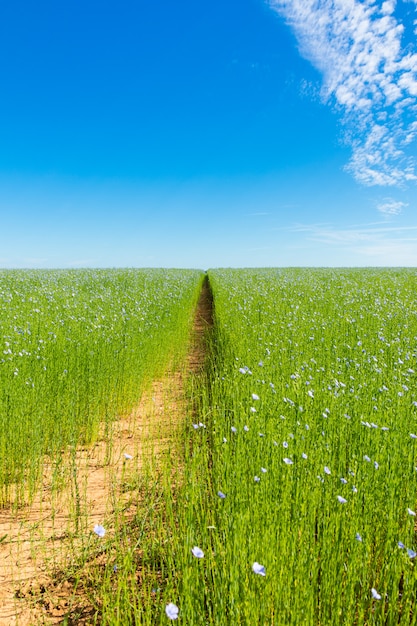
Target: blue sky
238	133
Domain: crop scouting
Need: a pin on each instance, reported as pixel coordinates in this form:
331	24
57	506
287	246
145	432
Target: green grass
331	354
78	348
304	419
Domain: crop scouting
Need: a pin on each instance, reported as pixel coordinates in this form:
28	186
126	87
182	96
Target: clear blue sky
229	133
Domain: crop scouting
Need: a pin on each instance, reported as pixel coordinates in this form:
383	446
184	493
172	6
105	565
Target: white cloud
367	76
385	245
391	207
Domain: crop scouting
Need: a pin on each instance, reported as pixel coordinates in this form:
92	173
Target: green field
78	348
290	492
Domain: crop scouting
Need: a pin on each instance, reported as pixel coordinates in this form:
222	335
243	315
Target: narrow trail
50	532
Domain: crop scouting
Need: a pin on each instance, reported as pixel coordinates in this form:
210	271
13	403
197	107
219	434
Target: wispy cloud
367	75
391	207
389	245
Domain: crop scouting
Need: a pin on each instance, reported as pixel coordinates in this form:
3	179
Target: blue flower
172	611
221	494
411	553
197	552
258	569
99	530
358	537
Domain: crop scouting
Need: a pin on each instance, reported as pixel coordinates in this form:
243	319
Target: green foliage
299	449
77	348
331	355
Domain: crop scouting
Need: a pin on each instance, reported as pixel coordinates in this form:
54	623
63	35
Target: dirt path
46	534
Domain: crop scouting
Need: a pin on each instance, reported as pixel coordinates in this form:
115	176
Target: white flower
99	530
327	470
257	479
304	455
197	552
358	537
258	569
263	470
375	594
341	499
246	428
288	461
413	436
234	429
255	396
128	456
410	512
172	611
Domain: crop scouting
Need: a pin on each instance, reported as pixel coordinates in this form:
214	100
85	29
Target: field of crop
77	349
292	495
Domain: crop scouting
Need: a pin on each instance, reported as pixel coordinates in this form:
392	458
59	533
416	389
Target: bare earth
40	537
